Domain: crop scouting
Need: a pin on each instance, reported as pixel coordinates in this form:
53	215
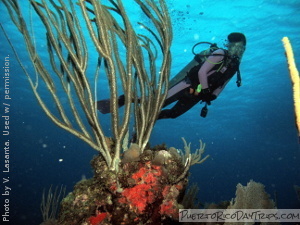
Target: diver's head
236	44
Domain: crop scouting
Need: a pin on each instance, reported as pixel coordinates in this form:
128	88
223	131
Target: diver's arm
205	69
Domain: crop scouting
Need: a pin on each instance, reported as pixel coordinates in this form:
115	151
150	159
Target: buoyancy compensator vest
215	80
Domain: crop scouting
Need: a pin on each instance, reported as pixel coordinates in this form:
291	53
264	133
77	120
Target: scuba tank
198	59
182	73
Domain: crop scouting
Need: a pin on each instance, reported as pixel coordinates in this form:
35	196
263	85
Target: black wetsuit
185	100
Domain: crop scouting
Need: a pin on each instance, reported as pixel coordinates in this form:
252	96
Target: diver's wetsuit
207	76
185	101
214	74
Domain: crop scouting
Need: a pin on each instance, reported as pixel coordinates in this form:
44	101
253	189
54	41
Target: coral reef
146	190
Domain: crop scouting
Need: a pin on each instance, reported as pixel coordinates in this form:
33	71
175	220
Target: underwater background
249	131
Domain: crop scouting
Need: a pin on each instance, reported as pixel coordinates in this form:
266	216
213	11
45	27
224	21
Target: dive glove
207	96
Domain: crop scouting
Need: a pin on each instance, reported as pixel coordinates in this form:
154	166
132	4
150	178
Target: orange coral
138	197
146	189
168	208
149	189
166	191
96	220
169	205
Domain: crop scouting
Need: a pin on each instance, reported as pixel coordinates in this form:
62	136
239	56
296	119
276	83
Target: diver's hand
196	91
193	92
207	96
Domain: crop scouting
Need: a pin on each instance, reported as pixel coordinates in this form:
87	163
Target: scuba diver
203	79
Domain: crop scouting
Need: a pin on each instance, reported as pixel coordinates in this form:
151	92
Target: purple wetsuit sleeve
205	69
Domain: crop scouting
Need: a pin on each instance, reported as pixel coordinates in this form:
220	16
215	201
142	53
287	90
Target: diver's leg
176	92
183	105
173	95
104	105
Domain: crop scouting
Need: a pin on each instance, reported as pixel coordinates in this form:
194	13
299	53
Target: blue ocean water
249	132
